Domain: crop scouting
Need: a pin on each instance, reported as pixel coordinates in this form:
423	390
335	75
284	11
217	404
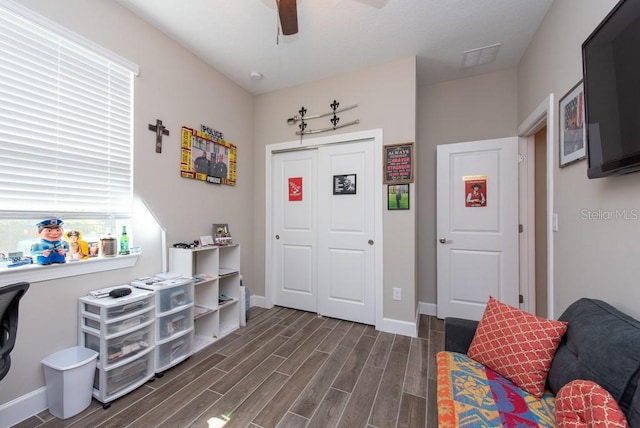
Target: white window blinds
66	115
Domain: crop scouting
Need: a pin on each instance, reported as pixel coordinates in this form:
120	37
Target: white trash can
69	375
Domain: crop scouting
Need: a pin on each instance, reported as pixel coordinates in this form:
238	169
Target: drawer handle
132	306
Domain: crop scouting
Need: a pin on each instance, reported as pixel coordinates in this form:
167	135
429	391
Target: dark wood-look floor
286	368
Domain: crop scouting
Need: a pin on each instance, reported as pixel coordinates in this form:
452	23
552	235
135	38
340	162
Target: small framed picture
572	128
94	248
344	184
398	197
205	241
220	230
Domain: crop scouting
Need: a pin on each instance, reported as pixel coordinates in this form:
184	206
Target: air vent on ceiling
480	56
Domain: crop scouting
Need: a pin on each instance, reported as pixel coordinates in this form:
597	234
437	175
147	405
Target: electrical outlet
397	294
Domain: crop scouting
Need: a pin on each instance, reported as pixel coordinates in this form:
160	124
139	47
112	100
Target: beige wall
386	98
476	108
592	258
179	89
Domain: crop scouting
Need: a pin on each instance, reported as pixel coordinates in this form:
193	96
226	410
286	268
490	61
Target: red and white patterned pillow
585	404
517	344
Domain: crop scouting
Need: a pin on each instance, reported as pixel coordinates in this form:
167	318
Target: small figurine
78	249
51	248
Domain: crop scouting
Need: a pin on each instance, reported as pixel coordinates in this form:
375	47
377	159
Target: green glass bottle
124	242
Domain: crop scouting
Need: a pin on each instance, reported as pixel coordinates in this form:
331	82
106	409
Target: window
66	119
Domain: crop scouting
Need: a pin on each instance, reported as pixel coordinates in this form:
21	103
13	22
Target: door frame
312	143
543	115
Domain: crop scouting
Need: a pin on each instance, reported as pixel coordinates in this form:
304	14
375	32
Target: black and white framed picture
344	184
572	129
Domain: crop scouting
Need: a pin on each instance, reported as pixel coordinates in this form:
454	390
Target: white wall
179	89
476	108
386	98
593	258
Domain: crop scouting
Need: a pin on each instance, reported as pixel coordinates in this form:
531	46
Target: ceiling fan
288	12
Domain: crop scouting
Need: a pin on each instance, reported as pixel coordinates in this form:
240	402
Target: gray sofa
601	344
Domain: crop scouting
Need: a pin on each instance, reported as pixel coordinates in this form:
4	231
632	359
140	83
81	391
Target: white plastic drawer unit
110	309
171	294
122	330
121	346
121	325
171	324
174	351
126	375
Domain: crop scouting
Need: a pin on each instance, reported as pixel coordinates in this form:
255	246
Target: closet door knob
277	236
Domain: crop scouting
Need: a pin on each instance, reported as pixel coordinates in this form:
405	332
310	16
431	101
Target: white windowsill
36	273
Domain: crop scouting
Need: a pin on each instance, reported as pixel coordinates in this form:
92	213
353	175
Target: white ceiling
238	37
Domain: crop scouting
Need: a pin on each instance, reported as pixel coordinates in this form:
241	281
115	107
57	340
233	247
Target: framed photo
398	197
220	230
344	184
221	235
206	156
205	241
572	128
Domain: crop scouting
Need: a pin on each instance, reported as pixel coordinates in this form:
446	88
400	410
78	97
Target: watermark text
625	214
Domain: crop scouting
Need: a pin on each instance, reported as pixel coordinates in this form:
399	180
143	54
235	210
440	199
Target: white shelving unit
174	320
121	330
216	271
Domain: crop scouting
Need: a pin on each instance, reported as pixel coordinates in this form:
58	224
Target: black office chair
9	298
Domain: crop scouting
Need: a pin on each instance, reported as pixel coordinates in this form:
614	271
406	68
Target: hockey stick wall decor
335	119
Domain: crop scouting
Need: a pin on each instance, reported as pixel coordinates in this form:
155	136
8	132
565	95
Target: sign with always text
398	163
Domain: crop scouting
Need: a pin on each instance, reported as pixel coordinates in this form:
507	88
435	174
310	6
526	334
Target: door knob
445	241
370	242
277	236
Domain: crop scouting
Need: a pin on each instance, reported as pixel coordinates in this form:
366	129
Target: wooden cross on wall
160	130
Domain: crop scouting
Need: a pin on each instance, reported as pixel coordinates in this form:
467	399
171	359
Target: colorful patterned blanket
471	395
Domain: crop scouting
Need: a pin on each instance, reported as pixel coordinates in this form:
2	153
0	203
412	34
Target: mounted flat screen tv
611	67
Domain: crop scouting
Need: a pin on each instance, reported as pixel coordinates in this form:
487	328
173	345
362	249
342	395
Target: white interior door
346	274
477	226
295	214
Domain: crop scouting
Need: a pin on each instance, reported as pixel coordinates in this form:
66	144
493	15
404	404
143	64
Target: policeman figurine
51	248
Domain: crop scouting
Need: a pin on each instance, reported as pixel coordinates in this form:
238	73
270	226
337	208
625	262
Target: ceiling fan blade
288	11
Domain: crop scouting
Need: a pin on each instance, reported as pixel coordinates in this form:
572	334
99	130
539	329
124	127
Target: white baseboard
388	325
404	328
428	308
24	407
259	301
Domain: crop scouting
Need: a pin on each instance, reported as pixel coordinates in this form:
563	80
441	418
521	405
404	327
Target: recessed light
254	75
